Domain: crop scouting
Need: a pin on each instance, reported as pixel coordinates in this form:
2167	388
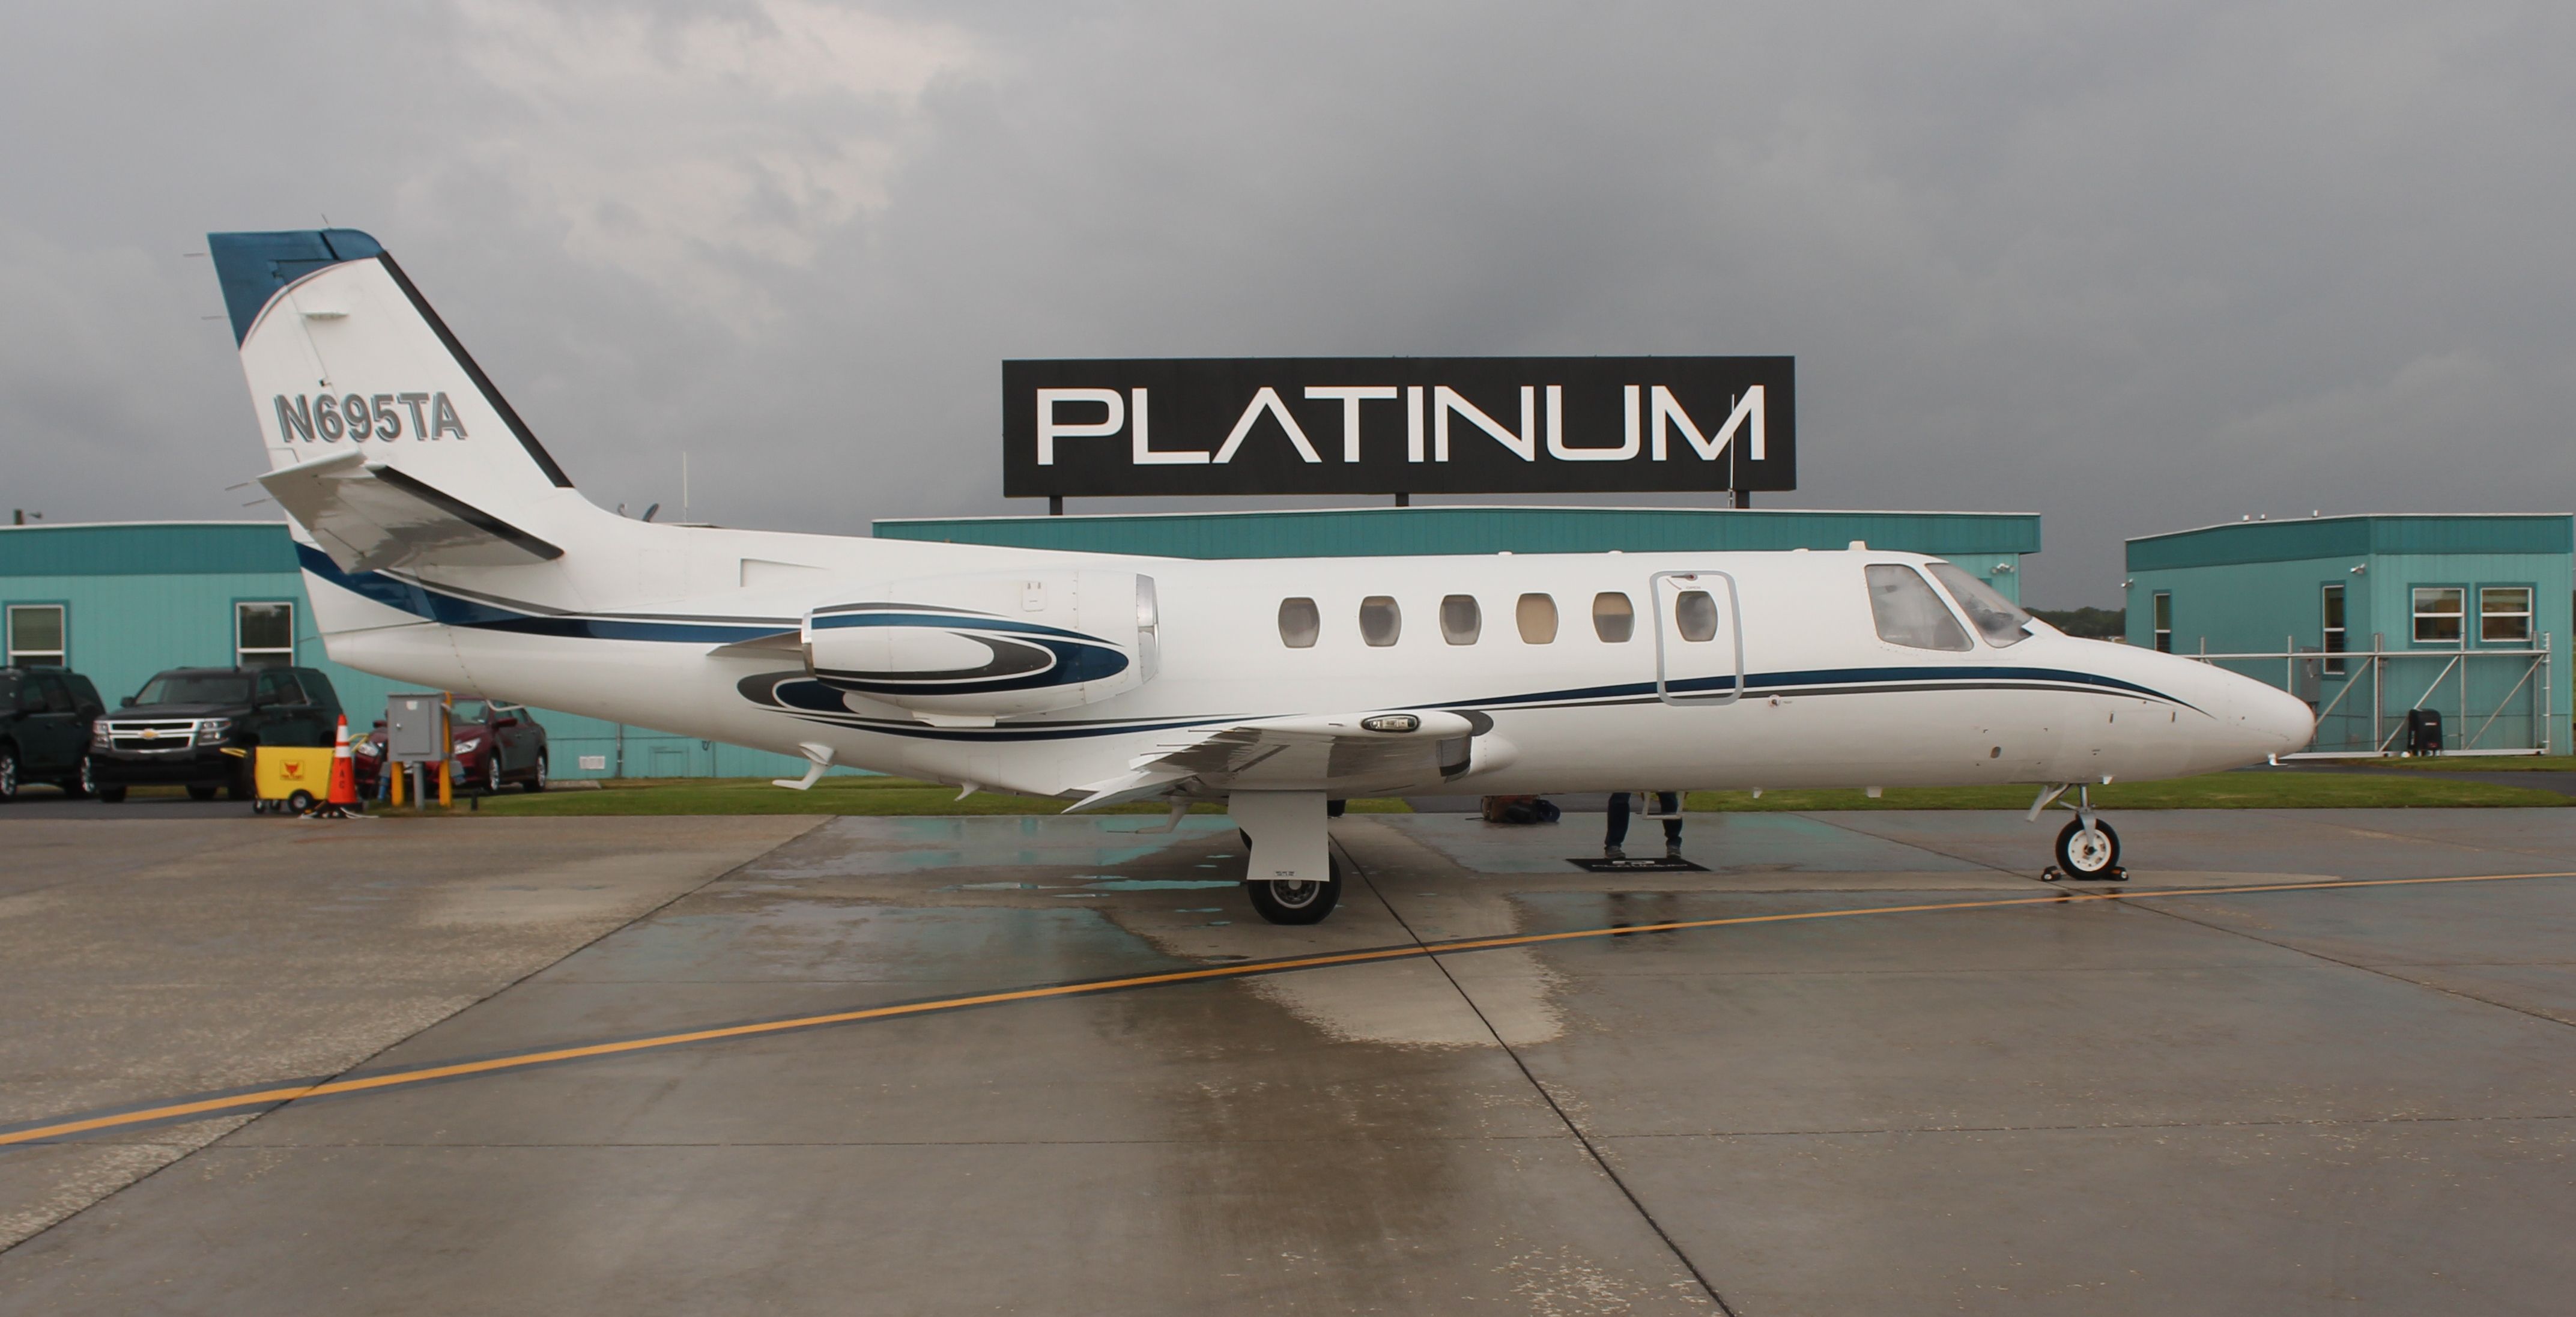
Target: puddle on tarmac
1157	884
906	845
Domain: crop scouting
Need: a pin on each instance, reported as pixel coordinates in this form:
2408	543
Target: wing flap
1330	752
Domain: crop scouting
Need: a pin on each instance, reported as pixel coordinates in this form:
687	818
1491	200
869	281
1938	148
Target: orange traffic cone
344	778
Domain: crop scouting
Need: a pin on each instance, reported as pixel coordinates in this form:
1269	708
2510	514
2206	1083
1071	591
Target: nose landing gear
2087	849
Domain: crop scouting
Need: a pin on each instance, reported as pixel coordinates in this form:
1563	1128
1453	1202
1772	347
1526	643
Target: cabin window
2504	614
1696	614
1461	621
1299	623
1614	619
36	634
264	635
1998	619
1908	613
1536	616
1380	621
2334	630
2163	621
2438	609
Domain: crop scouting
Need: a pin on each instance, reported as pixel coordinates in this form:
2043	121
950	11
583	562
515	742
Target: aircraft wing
1346	754
369	516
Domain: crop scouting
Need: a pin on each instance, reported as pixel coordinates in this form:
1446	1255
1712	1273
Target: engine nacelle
989	645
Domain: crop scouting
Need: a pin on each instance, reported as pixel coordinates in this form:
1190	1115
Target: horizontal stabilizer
369	517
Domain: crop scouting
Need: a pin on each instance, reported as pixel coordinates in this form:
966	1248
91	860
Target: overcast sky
2134	267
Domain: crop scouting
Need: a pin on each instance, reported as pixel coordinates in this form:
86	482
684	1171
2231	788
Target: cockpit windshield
2000	620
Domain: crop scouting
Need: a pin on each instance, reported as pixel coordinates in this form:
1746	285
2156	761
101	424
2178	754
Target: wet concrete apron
2276	1101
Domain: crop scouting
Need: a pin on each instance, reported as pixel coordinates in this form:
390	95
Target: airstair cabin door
1699	638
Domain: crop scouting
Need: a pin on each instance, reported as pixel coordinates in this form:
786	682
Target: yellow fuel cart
291	778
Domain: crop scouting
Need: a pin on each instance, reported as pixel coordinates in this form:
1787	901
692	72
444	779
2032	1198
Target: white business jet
441	545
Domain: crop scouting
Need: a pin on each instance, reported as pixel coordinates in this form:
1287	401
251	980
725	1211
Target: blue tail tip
253	266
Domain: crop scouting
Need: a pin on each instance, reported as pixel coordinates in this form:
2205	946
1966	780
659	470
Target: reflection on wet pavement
2358	1098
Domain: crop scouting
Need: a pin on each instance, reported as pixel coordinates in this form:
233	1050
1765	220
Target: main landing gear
2087	849
1291	875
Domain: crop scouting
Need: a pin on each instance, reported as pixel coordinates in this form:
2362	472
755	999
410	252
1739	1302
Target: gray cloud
2135	268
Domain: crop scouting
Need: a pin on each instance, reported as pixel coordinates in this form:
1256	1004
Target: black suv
44	728
178	728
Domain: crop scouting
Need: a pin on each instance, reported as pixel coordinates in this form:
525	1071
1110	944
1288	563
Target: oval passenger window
1461	621
1614	619
1536	615
1299	623
1696	614
1380	621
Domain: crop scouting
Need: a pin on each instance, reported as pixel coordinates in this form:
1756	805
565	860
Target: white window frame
242	654
2458	616
2335	637
56	657
2524	613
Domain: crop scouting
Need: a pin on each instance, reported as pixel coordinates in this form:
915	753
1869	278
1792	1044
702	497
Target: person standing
1667	803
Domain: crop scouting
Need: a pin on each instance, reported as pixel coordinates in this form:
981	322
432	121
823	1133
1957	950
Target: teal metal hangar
122	601
2369	617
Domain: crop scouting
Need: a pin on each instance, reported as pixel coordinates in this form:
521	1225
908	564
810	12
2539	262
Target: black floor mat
1634	864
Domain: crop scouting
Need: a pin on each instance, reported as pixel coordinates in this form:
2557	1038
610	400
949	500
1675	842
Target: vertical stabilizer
343	355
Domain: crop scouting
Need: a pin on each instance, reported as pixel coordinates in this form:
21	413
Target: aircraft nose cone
2280	723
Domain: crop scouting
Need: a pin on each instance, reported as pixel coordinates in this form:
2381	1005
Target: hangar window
36	634
1998	619
1614	619
264	635
1461	621
2335	637
2438	609
1908	613
1696	615
1536	616
2164	621
2504	614
1380	621
1299	623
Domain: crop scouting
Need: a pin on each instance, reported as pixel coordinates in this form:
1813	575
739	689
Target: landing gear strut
2087	849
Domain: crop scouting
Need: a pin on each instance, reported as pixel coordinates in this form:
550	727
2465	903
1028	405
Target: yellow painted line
398	1078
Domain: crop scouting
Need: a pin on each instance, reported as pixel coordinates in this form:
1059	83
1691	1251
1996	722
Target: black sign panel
1391	425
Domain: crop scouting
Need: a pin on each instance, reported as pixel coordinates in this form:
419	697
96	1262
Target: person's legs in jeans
1670	802
1618	826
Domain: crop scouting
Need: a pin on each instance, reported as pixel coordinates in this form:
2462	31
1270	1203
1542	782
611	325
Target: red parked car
496	744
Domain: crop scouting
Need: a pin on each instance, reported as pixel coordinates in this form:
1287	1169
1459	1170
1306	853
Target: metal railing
2492	701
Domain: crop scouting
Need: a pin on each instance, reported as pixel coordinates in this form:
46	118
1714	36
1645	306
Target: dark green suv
181	726
45	714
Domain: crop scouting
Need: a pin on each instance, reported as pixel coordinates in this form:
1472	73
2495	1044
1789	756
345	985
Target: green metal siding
2257	605
2353	537
184	548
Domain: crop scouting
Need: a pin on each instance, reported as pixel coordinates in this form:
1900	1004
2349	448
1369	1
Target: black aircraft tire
1300	903
2082	856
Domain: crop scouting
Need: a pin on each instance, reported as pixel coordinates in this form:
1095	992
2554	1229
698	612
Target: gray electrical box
415	728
